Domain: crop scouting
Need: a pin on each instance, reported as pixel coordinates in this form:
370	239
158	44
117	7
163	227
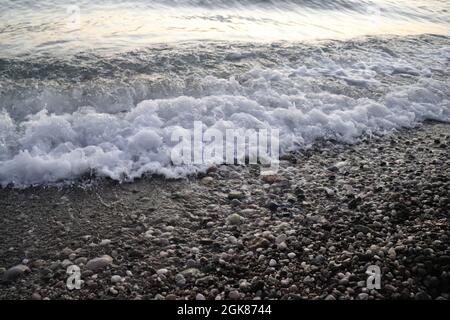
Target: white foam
48	148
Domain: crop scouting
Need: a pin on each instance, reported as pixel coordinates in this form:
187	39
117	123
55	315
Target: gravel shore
309	232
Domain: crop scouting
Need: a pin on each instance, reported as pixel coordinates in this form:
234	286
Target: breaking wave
334	90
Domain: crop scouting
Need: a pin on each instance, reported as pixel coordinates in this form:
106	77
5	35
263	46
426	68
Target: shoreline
309	232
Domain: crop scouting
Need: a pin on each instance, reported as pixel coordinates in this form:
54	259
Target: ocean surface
98	87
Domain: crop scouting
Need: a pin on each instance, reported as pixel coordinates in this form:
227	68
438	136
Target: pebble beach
310	231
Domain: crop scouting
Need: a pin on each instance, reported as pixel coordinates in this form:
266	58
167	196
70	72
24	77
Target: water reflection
60	29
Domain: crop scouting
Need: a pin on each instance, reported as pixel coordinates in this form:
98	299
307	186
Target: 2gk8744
246	309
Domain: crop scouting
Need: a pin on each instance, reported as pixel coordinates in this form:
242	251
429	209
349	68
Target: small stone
66	251
116	279
244	285
15	272
191	263
285	282
38	263
271	178
235	203
272	263
422	296
99	263
162	272
72	256
282	246
232	239
291	255
180	280
105	242
81	260
392	254
330	297
191	273
363	296
66	263
199	296
234	295
235	195
234	219
259	243
36	296
281	238
113	291
207	180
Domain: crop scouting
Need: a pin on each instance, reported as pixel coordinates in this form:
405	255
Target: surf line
200	311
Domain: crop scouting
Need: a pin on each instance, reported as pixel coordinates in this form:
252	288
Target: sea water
100	86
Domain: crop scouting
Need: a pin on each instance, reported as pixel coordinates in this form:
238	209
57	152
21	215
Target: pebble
370	211
36	296
66	263
180	280
236	195
162	272
392	254
191	273
234	219
207	180
363	296
282	246
232	239
99	263
113	291
271	179
244	285
81	260
105	242
281	238
422	296
15	272
234	295
199	296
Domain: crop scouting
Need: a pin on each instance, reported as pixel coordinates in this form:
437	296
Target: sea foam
322	98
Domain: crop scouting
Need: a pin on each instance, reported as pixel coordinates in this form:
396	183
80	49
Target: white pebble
199	296
234	219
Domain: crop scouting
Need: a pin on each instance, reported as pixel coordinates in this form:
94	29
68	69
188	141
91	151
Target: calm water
57	27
